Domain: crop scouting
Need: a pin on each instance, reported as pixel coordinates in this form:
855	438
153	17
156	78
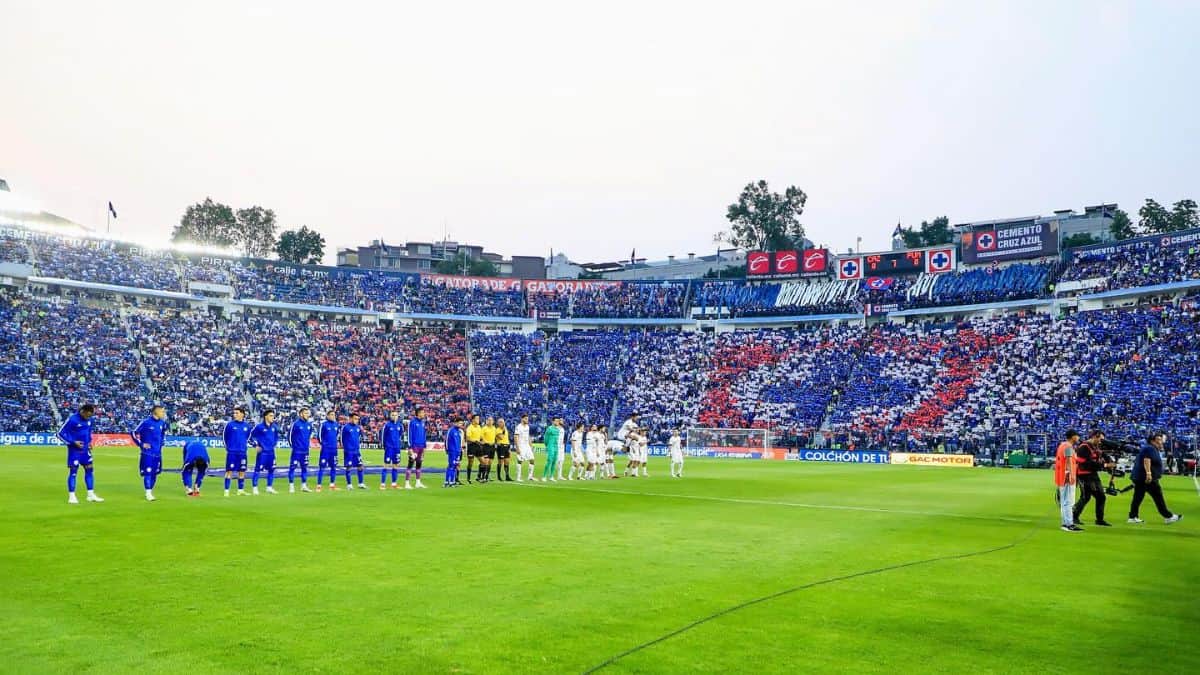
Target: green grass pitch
558	579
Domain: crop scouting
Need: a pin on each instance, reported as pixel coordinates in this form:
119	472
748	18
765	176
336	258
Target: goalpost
705	440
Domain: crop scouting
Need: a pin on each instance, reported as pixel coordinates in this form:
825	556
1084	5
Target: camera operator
1089	462
1147	470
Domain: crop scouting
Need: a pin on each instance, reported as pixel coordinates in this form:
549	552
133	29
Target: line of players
592	454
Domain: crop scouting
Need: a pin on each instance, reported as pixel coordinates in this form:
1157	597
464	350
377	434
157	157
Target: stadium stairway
58	420
470	371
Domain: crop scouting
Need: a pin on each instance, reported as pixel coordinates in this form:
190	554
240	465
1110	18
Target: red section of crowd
970	355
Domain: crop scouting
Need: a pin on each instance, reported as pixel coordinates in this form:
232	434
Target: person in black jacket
1089	462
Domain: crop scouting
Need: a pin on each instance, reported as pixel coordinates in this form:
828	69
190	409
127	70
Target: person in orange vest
1064	478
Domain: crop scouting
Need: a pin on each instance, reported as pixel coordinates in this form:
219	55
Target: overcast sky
594	130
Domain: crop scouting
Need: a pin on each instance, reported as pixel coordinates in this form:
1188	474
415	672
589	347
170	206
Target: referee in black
1089	461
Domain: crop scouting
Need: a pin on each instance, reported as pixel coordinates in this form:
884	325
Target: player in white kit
595	456
578	458
524	447
675	448
610	448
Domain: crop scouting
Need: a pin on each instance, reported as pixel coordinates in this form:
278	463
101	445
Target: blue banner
841	456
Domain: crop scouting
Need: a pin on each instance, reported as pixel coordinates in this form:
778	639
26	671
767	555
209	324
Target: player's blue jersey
236	435
329	437
454	442
299	436
351	438
265	437
76	429
390	435
150	436
416	434
193	451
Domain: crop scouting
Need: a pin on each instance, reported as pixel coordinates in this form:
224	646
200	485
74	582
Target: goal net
715	441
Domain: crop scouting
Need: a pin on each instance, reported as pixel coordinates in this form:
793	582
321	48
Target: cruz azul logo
849	268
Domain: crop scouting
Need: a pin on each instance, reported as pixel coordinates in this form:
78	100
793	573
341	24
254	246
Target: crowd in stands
84	354
422	298
509	374
430	369
356	367
665	378
13	250
99	262
1145	263
630	300
23	402
103	261
793	298
1019	281
950	386
273	360
189	361
584	371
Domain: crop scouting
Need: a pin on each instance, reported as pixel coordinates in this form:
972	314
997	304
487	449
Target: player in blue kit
149	437
454	444
416	447
195	459
351	437
265	437
299	437
76	433
236	434
390	439
330	431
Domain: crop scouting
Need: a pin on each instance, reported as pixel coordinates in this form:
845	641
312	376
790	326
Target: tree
937	231
302	246
767	220
1121	227
1153	218
1183	215
932	233
208	223
1079	239
727	272
476	267
912	238
256	231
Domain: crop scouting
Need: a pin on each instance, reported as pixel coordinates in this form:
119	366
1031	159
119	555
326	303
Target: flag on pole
896	232
384	247
112	210
633	256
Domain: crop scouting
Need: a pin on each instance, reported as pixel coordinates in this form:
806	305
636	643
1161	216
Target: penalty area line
798	505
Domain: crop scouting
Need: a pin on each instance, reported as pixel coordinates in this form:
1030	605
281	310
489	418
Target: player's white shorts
524	454
676	457
578	457
593	456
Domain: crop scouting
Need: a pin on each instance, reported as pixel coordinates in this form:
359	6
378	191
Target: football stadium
786	437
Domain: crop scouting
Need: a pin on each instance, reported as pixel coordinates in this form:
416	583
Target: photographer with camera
1147	470
1089	462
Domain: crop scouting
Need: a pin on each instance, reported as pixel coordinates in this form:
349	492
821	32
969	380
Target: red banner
112	441
485	283
758	262
565	286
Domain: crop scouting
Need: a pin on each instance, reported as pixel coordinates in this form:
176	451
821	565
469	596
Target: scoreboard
895	262
884	264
